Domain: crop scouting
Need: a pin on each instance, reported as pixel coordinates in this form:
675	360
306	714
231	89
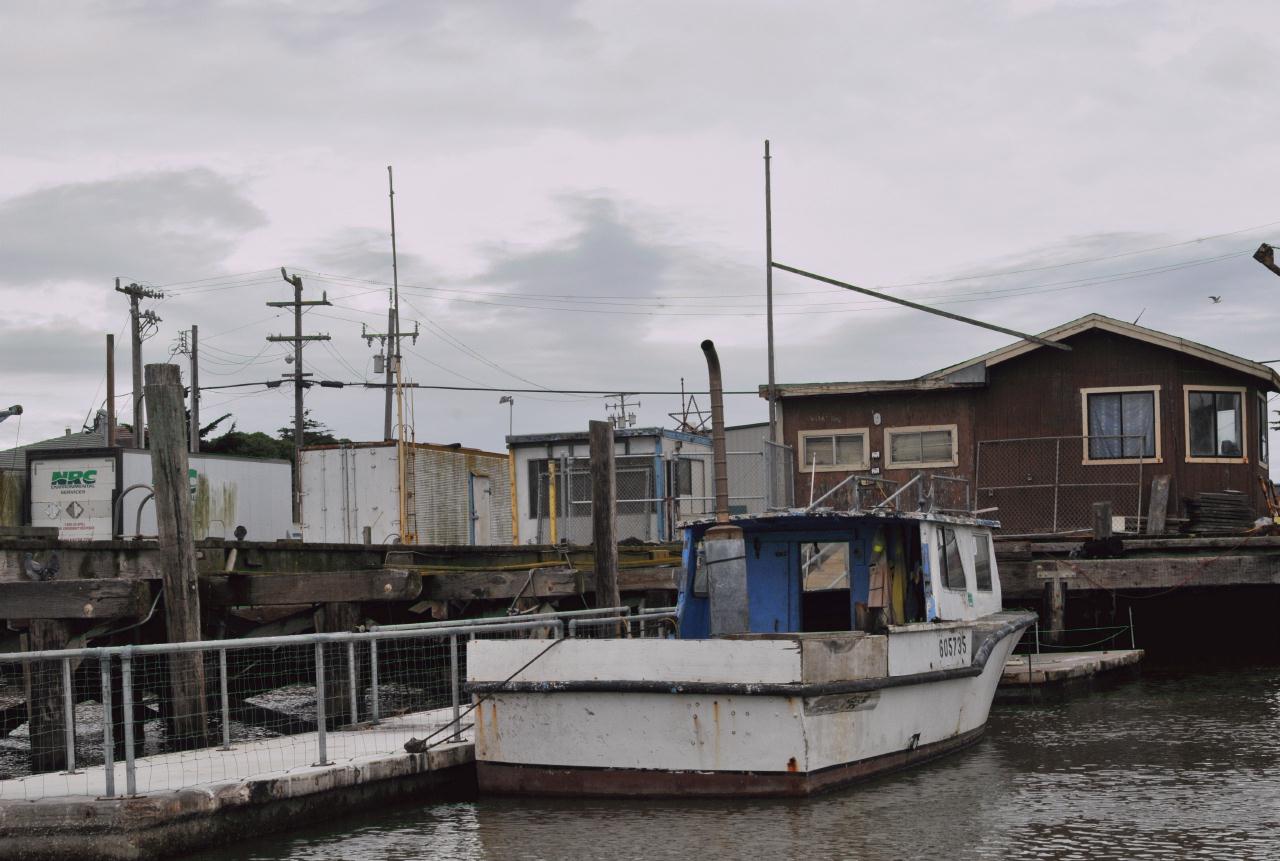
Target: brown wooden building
1040	433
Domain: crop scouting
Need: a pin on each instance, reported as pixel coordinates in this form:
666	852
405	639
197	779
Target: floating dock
172	814
1035	670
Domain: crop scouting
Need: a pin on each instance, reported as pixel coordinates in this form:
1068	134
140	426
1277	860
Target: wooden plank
545	583
75	599
188	723
1158	510
317	587
1026	579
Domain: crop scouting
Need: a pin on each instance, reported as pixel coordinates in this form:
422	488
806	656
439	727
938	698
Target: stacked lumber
1225	512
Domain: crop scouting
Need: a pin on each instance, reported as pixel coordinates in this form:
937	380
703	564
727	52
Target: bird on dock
1216	299
37	571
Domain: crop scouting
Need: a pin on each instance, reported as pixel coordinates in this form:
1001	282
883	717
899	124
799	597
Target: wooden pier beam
188	720
604	514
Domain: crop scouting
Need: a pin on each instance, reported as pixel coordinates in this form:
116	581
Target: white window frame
1263	429
890	433
805	461
1084	423
1244	423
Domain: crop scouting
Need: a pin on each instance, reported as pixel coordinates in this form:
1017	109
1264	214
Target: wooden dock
202	798
1034	670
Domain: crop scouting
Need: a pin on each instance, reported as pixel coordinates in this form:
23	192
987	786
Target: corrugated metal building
454	495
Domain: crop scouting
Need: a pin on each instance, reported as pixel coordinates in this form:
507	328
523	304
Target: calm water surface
1168	765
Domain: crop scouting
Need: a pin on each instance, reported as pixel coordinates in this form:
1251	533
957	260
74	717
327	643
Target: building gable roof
971	372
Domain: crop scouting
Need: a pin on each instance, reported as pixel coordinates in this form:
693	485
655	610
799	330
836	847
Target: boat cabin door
773	585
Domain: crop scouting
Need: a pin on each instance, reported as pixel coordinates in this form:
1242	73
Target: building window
833	450
1215	423
1121	423
933	445
1264	446
952	567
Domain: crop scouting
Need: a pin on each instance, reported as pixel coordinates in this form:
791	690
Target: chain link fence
655	492
137	719
1047	485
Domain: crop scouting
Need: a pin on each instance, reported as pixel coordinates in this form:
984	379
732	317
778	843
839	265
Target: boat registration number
953	645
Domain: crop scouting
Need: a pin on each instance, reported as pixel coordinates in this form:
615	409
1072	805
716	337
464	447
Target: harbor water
1166	764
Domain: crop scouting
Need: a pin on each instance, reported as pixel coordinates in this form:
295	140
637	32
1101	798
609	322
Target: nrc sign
74	478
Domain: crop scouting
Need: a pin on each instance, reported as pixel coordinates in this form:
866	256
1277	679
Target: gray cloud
163	224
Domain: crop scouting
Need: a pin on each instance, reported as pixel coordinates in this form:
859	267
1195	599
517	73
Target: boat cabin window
982	561
952	567
700	572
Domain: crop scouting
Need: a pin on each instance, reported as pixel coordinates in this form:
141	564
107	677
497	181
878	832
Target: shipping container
96	494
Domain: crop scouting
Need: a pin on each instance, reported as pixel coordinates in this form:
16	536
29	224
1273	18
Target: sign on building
74	496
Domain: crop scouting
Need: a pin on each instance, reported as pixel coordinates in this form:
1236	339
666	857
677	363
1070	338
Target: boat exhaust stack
717	432
723	547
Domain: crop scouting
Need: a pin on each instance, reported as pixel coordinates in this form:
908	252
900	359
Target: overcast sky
580	196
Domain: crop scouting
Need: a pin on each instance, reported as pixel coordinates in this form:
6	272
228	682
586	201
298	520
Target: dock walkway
199	798
1029	670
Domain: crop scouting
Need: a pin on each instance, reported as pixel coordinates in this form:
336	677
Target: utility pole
111	390
138	320
622	419
297	339
195	388
391	357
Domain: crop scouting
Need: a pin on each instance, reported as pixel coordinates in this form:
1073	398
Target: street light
15	410
511	412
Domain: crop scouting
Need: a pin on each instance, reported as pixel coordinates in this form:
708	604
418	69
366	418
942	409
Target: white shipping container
226	492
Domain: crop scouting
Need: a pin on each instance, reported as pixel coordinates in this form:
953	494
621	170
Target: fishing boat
811	648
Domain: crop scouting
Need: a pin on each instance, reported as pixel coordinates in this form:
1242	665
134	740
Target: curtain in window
1139	417
1104	426
849	449
822	448
905	448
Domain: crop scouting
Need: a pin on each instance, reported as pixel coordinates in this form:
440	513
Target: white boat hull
794	717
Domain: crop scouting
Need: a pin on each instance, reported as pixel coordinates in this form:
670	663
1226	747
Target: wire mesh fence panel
134	720
1047	485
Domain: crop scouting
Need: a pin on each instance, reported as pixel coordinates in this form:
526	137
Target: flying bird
36	571
1216	299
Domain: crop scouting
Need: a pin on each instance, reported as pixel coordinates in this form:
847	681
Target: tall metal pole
195	388
407	535
768	287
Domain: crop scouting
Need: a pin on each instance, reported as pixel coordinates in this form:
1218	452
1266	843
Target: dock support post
321	741
126	697
188	721
453	683
1133	638
69	716
1101	520
46	710
108	743
604	515
226	700
344	681
1055	599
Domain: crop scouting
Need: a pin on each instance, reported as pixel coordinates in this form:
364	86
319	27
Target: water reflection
1166	766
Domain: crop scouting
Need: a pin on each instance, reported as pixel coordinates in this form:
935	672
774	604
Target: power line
365	384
